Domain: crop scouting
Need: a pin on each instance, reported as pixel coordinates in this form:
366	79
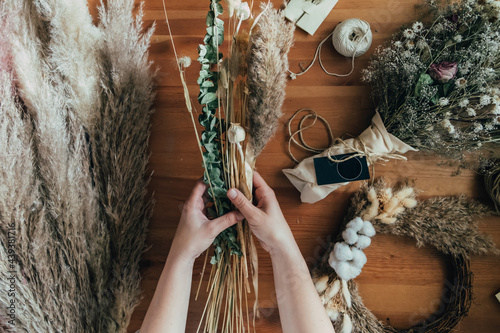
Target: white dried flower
496	110
418	26
409	33
496	100
438	27
471	112
422	44
410	44
478	127
489	126
461	82
398	44
458	38
243	11
185	62
443	101
446	124
463	103
232	5
485	100
494	91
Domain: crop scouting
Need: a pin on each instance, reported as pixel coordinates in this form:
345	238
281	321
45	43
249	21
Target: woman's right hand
265	219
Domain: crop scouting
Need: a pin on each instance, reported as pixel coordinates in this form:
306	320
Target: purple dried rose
453	18
443	72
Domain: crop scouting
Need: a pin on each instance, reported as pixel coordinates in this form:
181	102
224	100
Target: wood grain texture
400	283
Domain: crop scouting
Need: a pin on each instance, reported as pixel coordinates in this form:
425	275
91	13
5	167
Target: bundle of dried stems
241	93
75	128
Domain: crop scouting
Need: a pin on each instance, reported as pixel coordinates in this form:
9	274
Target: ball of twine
492	183
352	37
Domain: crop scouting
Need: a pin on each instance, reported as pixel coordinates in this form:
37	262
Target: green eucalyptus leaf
207	84
210	97
210	18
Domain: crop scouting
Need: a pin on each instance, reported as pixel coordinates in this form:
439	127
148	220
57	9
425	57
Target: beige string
358	146
302	144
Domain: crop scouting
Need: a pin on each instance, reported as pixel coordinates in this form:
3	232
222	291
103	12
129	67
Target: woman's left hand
195	232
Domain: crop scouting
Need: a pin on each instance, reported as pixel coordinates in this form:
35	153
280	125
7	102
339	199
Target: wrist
283	247
180	255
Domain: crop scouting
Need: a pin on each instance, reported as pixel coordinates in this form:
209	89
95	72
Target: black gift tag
352	169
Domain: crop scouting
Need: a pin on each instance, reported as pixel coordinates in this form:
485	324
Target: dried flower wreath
445	223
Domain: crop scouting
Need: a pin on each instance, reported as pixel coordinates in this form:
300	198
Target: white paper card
309	14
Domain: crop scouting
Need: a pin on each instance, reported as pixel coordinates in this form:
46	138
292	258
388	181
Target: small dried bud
236	133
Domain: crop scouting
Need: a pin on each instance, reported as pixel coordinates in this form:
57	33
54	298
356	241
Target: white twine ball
352	37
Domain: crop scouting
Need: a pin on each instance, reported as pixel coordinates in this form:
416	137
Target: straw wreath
449	224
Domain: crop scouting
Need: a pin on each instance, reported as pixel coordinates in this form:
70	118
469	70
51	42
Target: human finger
241	202
216	226
196	197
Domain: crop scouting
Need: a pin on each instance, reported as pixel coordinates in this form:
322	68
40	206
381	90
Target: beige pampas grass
73	165
267	76
119	140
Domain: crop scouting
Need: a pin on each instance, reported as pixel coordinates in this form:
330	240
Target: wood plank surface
400	283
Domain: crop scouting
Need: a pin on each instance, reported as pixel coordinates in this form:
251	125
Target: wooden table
400	283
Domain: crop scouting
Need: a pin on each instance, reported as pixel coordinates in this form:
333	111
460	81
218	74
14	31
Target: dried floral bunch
449	224
75	104
241	93
437	84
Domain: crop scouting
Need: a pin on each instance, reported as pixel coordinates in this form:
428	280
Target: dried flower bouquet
241	96
436	85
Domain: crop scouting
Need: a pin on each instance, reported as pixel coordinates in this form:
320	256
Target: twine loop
356	145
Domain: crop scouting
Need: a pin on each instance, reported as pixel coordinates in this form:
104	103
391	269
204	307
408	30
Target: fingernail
239	216
231	194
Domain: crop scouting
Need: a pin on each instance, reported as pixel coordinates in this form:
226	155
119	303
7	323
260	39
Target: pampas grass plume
267	75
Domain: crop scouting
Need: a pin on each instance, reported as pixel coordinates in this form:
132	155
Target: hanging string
351	38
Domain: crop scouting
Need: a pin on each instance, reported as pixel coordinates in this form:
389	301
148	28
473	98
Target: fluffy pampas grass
73	203
267	76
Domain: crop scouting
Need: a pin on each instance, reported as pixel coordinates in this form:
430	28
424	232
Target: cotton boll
342	269
363	242
350	236
345	270
368	229
321	284
359	258
342	251
355	224
333	289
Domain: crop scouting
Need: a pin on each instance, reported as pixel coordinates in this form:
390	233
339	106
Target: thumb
225	221
241	202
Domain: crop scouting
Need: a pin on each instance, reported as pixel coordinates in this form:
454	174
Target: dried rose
443	72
